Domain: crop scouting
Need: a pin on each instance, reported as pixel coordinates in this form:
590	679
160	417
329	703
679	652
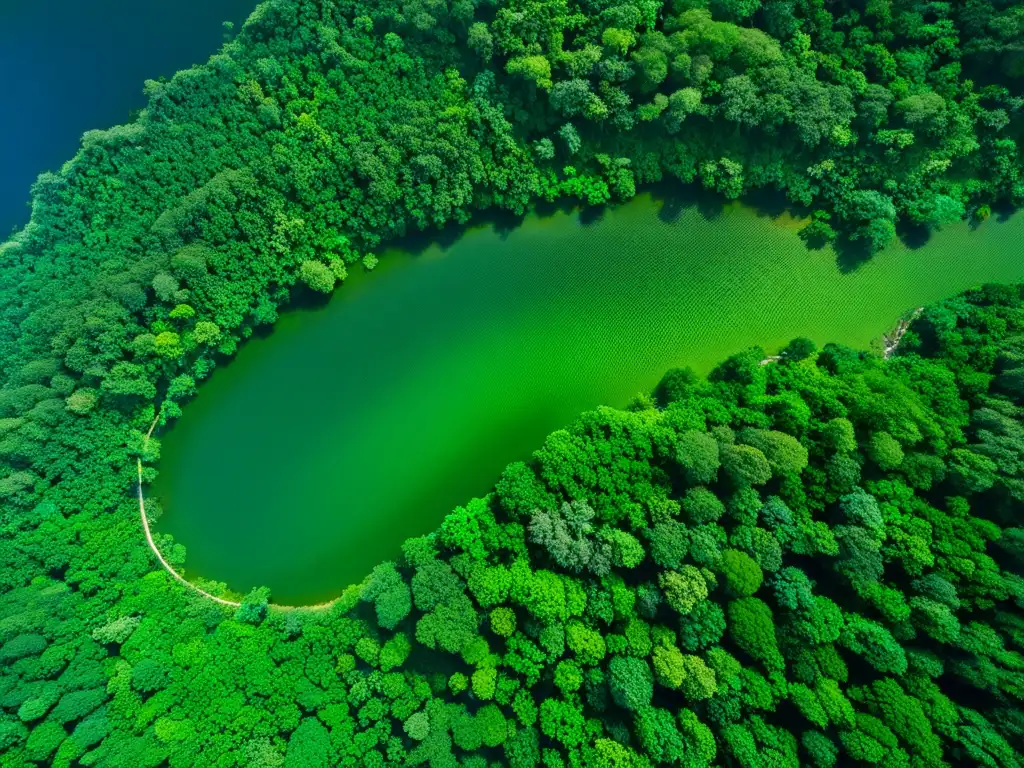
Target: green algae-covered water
351	427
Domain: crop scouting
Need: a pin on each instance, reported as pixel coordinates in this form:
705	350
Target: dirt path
891	341
177	576
152	544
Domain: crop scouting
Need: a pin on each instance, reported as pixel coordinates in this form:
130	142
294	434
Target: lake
352	426
68	66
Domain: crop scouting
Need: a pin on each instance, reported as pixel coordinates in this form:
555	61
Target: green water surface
351	427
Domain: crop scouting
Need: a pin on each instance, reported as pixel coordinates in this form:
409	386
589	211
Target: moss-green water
319	449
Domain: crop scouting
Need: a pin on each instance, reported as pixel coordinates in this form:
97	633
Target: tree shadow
851	255
913	236
592	215
1003	211
772	204
565	206
302	297
675	198
444	238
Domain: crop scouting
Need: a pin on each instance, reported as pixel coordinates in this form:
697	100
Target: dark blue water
68	66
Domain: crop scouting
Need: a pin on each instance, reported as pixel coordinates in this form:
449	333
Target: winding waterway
352	426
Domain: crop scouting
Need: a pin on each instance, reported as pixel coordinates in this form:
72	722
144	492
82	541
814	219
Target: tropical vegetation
813	561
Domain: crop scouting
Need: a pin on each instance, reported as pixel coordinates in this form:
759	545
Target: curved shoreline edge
890	342
152	544
177	576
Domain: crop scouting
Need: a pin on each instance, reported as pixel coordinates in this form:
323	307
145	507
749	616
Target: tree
317	276
745	465
860	508
449	627
784	452
736	9
389	593
82	401
820	749
309	745
698	455
669	544
885	451
631	682
752	628
702	627
522	750
503	621
586	643
395	652
698	679
417	726
492	725
626	551
568	677
659	736
876	214
568	536
684	588
480	41
537	69
571	137
798	349
925	111
669	670
838	434
875	643
860	558
742	574
676	385
699	506
562	721
972	472
547	599
435	584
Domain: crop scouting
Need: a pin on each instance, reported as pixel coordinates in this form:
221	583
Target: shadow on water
1000	212
851	255
772	204
417	242
673	200
913	236
1003	211
592	214
563	206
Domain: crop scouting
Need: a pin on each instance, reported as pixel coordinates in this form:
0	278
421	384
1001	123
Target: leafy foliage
816	561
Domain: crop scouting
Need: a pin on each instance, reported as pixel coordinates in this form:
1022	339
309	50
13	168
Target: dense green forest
812	562
809	562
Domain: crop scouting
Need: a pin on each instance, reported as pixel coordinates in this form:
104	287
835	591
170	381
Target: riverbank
379	409
194	588
891	341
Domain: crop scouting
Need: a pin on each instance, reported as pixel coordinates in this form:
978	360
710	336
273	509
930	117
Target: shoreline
181	579
890	341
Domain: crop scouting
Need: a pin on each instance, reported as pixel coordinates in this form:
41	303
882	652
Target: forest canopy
812	562
815	561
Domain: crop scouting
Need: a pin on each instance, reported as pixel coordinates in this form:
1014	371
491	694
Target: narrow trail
177	576
152	544
891	341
